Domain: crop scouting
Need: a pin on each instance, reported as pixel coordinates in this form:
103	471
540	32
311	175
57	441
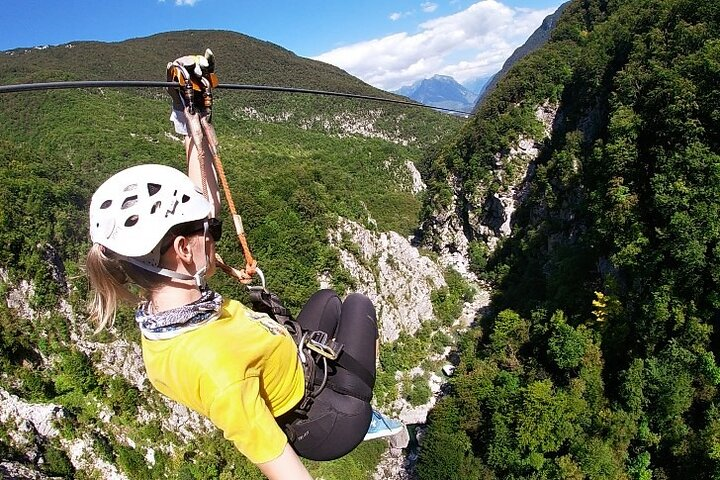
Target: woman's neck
173	295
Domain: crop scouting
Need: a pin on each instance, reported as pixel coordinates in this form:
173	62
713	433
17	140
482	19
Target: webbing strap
352	365
200	127
267	302
209	132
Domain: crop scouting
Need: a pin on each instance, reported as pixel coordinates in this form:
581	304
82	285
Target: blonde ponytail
108	280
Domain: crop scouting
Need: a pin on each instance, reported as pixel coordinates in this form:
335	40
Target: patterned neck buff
170	323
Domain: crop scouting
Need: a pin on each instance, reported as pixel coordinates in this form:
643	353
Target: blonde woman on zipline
152	226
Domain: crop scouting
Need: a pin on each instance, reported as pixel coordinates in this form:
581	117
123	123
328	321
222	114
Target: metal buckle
319	343
306	403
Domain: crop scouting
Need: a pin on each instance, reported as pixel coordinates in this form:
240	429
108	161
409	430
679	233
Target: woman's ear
183	249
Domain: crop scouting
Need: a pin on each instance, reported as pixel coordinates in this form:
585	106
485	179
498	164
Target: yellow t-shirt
240	371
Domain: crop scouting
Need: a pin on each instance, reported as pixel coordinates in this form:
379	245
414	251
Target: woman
151	227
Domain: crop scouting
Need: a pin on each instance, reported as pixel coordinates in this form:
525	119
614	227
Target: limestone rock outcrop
485	215
391	272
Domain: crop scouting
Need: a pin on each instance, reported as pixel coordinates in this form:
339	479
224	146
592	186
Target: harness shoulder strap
265	301
315	345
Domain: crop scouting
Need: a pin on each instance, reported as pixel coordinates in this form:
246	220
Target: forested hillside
600	360
599	357
338	155
295	163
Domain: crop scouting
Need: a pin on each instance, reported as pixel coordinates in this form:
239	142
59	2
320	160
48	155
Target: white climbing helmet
133	210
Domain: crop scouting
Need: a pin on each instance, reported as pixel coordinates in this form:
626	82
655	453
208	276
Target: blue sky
386	43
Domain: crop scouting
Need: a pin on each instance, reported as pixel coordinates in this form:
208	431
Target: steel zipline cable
29	87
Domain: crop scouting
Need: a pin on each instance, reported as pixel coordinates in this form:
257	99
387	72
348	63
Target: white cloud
428	7
398	15
469	44
188	3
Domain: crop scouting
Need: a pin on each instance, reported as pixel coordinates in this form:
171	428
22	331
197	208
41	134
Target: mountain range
445	92
442	91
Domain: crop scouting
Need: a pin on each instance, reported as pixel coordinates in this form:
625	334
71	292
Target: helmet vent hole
129	202
185	199
153	188
130	187
131	220
154	208
106	204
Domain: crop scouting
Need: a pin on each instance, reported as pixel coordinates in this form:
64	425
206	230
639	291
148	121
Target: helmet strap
201	273
199	276
159	270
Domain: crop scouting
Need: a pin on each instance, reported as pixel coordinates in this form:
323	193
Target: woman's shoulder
234	310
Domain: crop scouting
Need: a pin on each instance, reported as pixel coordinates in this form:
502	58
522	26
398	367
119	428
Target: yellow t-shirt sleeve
241	413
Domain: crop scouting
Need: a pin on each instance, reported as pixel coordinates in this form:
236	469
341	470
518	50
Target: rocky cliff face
386	268
338	124
400	281
482	215
36	424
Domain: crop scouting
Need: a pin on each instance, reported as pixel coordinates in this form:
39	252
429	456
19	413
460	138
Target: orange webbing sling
200	126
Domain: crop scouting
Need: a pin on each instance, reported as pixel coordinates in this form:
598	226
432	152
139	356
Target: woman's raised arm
199	164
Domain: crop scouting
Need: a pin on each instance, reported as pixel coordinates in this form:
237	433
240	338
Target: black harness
317	351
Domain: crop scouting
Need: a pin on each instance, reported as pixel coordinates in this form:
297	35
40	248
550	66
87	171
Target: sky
386	43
